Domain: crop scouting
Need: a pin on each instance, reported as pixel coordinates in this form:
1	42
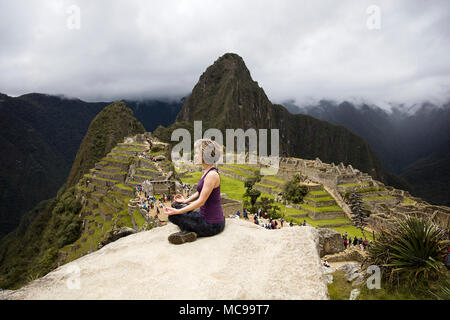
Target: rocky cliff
245	261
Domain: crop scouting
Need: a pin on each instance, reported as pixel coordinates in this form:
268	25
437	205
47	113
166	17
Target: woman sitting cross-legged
201	214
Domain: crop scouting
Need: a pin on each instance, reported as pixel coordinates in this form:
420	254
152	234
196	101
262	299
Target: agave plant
412	250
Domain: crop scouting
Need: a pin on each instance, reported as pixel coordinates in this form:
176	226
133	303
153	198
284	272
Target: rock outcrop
330	242
245	261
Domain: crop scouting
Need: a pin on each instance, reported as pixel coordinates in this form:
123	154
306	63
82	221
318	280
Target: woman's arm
208	186
192	198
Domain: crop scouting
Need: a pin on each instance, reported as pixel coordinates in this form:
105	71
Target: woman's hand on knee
180	199
170	211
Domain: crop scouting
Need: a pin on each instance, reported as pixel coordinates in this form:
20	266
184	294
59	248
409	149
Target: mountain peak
226	92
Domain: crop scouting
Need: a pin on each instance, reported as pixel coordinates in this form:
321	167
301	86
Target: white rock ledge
243	262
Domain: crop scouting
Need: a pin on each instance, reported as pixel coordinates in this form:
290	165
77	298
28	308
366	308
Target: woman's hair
211	152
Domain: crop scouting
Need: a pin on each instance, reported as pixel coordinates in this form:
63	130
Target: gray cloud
301	50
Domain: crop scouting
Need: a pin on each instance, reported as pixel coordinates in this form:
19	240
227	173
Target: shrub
410	252
294	191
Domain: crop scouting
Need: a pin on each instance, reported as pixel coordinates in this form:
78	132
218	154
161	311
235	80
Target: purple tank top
212	209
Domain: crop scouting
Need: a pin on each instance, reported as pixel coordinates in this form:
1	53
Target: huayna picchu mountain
227	97
32	249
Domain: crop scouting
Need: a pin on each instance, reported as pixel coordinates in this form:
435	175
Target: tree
269	206
294	191
251	193
359	213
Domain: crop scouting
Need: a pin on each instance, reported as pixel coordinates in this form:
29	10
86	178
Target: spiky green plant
409	252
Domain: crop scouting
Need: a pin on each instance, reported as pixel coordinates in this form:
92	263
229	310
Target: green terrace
235	189
378	198
275	179
353	184
320	209
122	186
131	148
142	177
127	145
320	199
236	171
319	193
148	170
138	218
109	160
275	189
242	166
408	201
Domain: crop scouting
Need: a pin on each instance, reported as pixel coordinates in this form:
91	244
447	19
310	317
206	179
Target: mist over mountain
410	141
226	96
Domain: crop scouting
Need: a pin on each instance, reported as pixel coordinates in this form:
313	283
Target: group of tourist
355	242
144	155
260	218
149	202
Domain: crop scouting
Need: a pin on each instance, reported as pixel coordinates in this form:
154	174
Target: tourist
304	223
326	264
203	217
345	243
259	212
282	220
355	241
245	214
238	214
291	224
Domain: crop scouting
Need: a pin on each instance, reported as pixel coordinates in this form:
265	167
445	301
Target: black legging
193	221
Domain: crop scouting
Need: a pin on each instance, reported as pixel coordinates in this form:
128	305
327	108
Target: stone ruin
384	205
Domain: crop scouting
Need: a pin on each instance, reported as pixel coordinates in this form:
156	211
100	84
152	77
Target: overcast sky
301	50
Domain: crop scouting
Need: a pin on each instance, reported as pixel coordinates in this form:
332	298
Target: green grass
122	186
144	177
112	167
272	178
241	166
127	149
340	290
81	188
320	199
157	153
408	201
352	231
135	182
268	186
353	184
132	144
379	198
319	193
138	218
148	170
320	209
235	189
104	179
238	172
114	160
